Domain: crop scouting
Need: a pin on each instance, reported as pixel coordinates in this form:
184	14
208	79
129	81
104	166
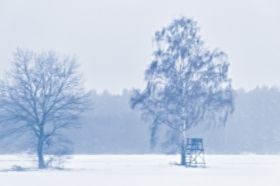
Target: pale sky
112	39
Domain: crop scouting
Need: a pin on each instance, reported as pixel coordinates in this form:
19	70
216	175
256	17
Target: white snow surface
143	170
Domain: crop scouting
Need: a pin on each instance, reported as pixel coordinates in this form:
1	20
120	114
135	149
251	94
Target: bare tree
41	96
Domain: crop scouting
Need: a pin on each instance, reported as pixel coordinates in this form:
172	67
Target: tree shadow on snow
186	166
16	168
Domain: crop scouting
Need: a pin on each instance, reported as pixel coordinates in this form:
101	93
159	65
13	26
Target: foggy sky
112	40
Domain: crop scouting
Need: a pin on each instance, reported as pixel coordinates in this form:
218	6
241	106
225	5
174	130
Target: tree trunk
183	154
40	154
183	145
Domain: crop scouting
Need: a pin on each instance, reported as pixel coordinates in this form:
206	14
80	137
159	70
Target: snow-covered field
144	170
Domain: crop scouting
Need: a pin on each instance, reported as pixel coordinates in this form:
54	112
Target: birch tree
186	84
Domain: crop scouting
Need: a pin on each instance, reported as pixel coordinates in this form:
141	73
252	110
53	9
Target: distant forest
113	127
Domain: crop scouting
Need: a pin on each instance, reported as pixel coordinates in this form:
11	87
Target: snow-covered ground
144	170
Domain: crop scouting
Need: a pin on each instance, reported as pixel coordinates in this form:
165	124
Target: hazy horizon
113	40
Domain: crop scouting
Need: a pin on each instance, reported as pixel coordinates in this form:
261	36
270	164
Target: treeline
113	127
